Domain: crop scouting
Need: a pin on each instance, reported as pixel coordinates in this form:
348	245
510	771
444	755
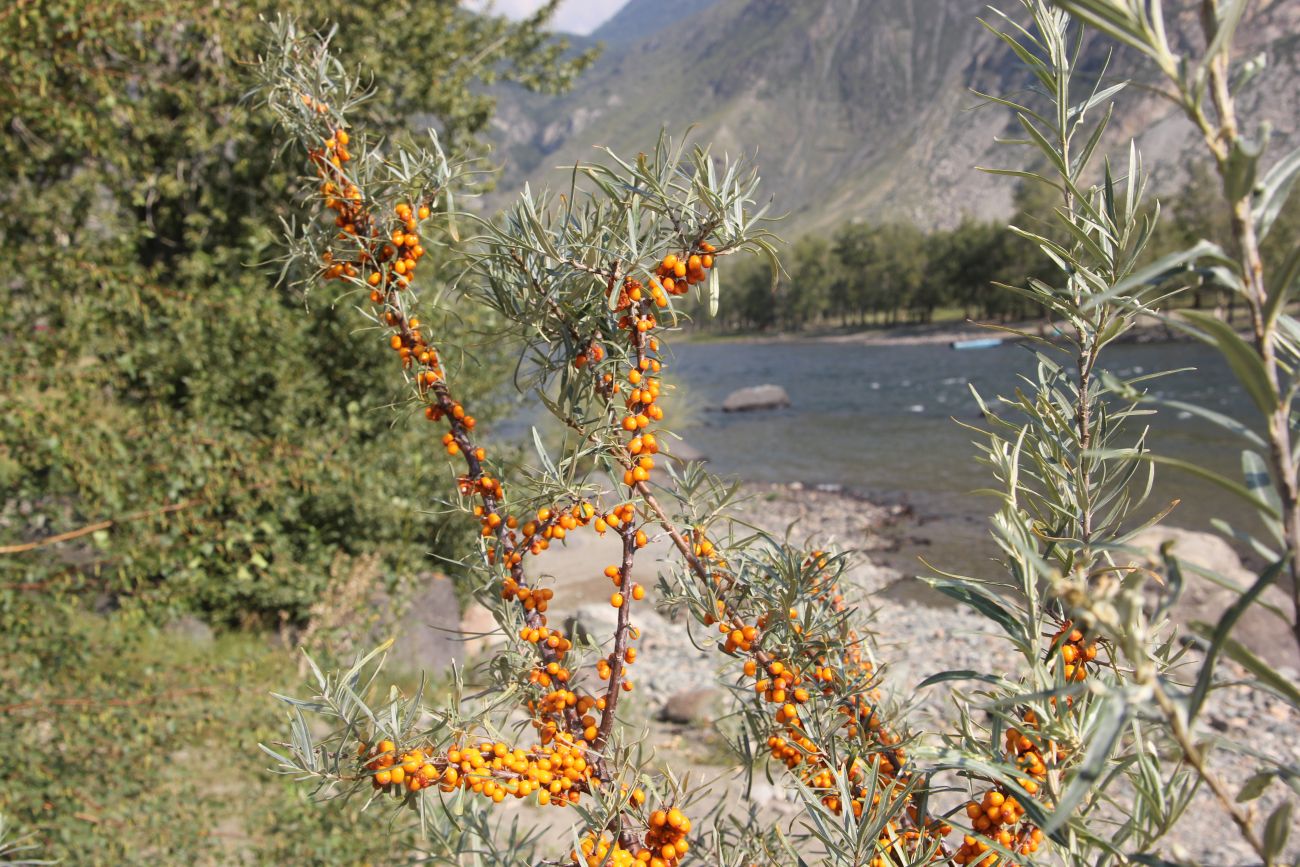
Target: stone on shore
756	397
1203	600
479	631
694	706
426	637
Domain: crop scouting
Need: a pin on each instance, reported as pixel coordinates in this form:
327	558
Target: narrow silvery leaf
1241	357
1280	285
1274	190
714	292
1239	171
1229	17
1222	631
1268	677
1101	740
1277	830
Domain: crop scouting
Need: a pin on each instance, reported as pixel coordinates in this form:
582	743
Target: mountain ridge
853	109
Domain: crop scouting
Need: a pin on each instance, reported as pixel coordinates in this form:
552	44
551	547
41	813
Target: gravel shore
918	632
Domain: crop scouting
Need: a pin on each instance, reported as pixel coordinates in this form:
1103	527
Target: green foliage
1073	465
869	275
129	744
225	448
237	439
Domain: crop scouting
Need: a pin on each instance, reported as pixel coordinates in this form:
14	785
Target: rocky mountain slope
853	108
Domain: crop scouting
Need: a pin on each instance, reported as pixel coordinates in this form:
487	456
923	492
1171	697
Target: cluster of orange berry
783	683
1029	758
615	575
997	816
434	412
666	836
411	770
664	845
861	707
593	353
1076	653
672	277
787	687
605	667
633	292
388	260
901	843
340	195
548	711
314	104
642	409
596	850
677	274
558	773
534	599
543	636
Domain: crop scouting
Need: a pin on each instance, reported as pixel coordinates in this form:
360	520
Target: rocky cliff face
853	108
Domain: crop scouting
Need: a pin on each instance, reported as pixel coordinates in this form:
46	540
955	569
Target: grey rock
693	706
684	453
479	630
1205	601
191	629
426	637
756	397
772	797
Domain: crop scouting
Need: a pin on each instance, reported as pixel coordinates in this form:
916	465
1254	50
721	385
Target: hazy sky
574	16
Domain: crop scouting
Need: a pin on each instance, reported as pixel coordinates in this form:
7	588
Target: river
882	421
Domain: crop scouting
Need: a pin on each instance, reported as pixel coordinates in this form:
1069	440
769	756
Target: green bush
156	378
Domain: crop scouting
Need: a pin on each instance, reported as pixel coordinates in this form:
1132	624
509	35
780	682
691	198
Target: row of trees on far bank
878	274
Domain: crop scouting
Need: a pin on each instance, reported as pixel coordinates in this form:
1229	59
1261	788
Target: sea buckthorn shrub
585	283
1095	749
1078	746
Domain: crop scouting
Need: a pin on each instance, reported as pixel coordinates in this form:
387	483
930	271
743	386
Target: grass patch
131	744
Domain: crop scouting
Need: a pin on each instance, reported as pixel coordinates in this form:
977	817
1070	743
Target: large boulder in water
756	397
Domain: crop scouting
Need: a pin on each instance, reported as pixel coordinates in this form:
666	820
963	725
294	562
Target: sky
574	16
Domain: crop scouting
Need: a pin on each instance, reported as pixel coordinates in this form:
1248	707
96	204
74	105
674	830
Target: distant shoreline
919	335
